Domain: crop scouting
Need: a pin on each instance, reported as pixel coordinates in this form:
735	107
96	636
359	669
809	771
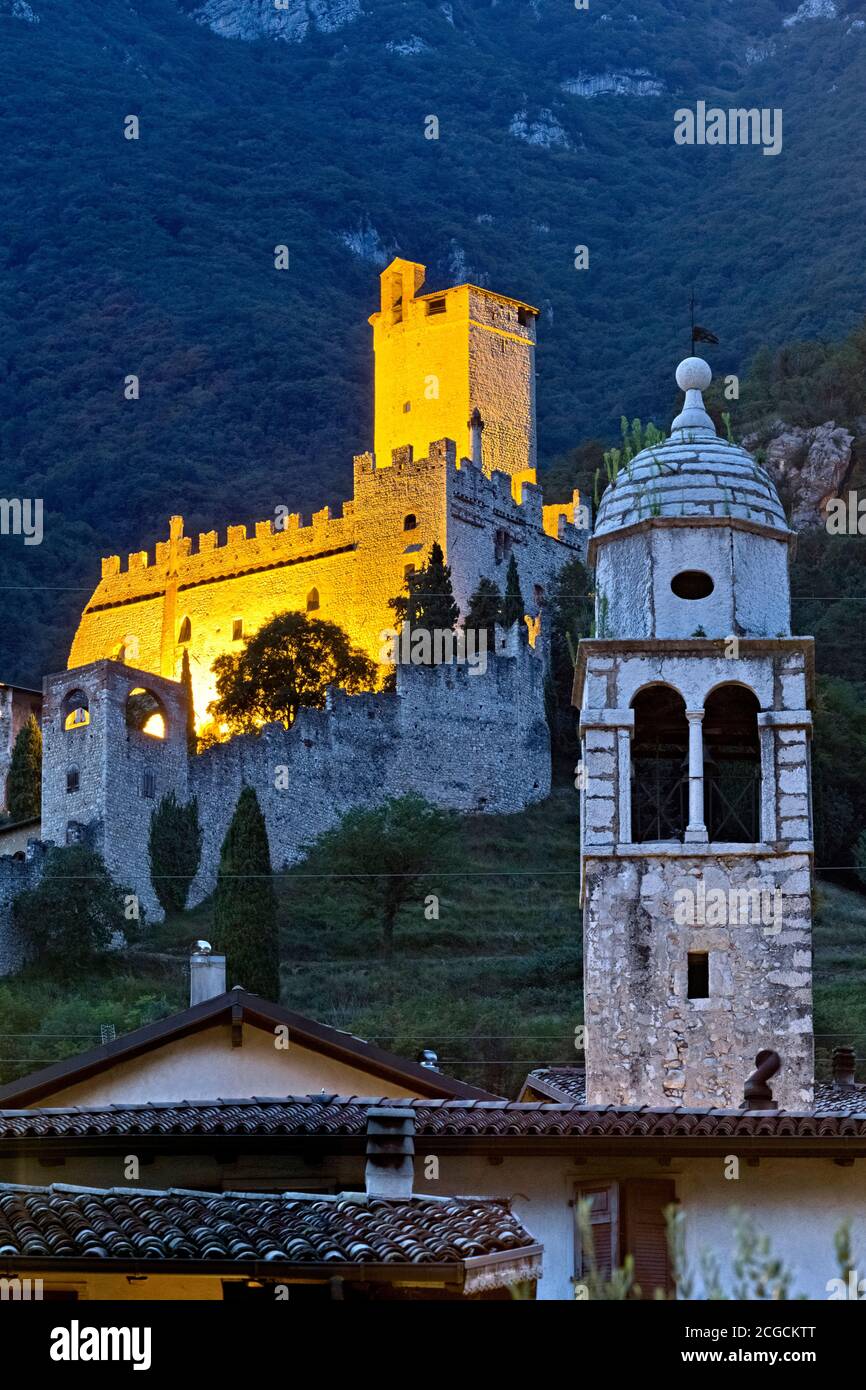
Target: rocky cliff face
291	21
808	466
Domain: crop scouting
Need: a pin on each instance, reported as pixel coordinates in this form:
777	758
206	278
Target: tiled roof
558	1083
129	1225
345	1117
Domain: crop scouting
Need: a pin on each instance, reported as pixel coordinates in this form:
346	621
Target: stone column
696	831
624	736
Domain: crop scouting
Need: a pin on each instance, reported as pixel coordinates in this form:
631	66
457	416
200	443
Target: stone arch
313	601
75	710
145	713
659	764
732	764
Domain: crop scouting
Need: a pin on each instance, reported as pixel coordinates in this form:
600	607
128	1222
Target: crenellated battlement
288	537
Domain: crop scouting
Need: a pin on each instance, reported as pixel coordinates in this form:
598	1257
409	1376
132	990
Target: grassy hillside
495	986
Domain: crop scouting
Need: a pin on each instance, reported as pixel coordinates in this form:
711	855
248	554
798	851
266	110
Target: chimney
207	974
844	1062
390	1151
756	1093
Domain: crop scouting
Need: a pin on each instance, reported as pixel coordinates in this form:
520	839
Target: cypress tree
174	849
186	682
24	783
431	595
245	904
513	607
485	610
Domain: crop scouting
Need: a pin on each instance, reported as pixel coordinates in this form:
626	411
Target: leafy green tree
485	610
24	782
386	855
288	664
174	850
245	904
72	916
513	607
186	682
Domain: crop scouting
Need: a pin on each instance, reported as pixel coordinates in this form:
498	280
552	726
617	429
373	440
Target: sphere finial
694	374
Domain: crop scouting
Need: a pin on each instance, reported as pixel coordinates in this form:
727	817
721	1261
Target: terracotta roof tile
839	1113
131	1224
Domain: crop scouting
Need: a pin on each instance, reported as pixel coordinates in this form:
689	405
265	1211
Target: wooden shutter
645	1234
604	1219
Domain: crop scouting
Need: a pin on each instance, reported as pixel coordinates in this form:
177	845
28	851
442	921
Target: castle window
312	601
660	765
410	522
538	594
407	406
698	975
185	631
523	316
76	711
407	570
732	765
501	545
692	584
72	779
436	306
148	785
237	629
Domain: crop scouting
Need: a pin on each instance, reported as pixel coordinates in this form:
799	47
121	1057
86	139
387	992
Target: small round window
692	584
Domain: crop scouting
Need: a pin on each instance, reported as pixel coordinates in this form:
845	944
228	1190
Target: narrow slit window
237	629
699	975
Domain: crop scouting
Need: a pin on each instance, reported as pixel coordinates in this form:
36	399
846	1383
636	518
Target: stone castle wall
355	563
470	742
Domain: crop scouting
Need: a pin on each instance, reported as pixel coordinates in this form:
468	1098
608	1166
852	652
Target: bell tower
696	815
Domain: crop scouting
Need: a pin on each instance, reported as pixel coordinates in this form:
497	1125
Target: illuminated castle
454	462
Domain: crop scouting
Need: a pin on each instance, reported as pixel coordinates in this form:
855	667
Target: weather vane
699	334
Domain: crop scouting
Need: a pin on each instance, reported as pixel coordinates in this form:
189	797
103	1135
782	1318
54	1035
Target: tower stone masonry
696	815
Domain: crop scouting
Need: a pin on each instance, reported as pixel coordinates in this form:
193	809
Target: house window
72	779
148	785
312	600
410	522
699	975
626	1218
237	629
185	631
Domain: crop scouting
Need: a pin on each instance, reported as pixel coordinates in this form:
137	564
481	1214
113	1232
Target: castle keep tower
440	357
696	817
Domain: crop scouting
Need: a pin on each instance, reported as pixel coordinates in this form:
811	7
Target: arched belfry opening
732	765
659	765
145	713
76	710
